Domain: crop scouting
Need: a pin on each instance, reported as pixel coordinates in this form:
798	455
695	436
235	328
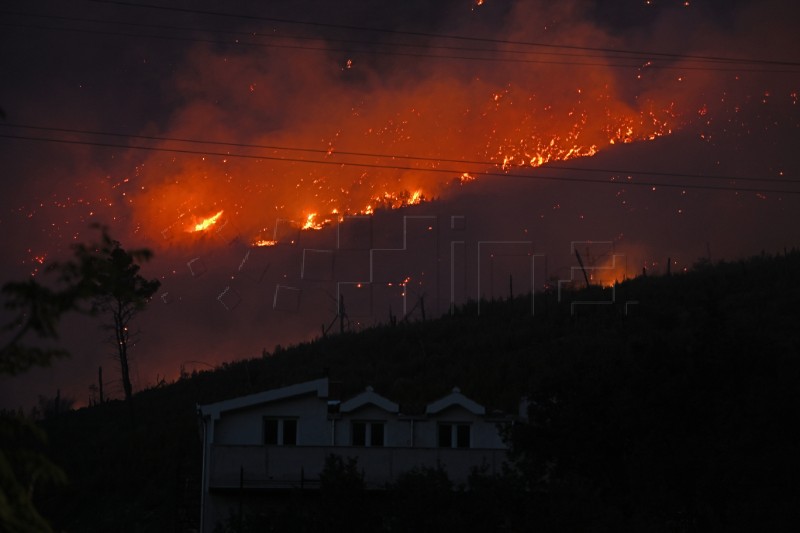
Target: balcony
283	467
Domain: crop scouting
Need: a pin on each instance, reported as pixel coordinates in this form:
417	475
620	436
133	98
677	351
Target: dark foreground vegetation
676	415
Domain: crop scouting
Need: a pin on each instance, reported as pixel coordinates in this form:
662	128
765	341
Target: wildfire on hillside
412	153
296	140
205	223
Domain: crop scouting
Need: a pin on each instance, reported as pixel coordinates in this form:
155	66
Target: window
445	436
454	435
280	431
359	434
367	434
462	436
289	432
271	431
376	434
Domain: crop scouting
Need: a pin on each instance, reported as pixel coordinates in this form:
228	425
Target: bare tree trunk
122	346
100	383
126	377
341	314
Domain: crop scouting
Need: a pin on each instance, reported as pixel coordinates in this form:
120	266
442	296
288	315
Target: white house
280	438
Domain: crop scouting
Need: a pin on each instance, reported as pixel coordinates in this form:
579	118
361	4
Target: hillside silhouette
669	408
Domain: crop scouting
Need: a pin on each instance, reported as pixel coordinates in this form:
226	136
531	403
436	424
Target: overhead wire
373	51
242	33
572	51
466	38
329	152
453	172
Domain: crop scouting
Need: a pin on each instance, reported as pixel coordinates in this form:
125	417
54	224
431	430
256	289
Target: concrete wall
246	426
483	434
235	454
396	432
293	466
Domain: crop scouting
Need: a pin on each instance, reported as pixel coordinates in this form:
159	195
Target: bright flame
312	223
394	200
206	223
432	126
465	177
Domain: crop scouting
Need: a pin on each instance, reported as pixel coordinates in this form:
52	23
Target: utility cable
453	172
374	51
329	152
465	38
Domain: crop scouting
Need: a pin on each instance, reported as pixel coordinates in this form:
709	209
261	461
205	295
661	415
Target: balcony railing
300	466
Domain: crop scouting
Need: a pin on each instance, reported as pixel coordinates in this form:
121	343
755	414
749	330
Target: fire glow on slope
206	223
314	191
316	132
316	143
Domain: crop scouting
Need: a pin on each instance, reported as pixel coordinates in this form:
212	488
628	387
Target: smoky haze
434	167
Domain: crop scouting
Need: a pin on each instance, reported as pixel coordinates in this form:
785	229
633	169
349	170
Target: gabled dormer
281	438
454	400
456	421
369	398
368	419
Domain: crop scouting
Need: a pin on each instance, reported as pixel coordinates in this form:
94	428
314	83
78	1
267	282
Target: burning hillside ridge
307	137
392	151
242	130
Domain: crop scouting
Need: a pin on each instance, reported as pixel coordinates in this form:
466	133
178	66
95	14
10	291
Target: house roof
214	410
366	398
455	398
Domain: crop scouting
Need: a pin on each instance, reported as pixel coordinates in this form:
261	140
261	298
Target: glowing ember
206	223
465	178
264	242
381	152
394	200
367	146
312	222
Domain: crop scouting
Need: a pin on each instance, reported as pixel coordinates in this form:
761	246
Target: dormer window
367	433
454	435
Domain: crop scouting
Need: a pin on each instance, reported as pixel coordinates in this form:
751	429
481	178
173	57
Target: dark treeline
671	414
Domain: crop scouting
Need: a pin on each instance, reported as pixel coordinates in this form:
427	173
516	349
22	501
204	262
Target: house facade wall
483	433
237	458
246	426
396	432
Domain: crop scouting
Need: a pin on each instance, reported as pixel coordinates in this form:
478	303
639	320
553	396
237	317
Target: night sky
430	149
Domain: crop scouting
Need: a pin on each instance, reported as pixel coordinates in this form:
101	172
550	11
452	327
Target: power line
388	156
375	51
453	172
625	54
583	52
265	35
372	51
646	53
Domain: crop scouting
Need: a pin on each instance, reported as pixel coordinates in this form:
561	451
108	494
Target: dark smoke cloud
222	299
